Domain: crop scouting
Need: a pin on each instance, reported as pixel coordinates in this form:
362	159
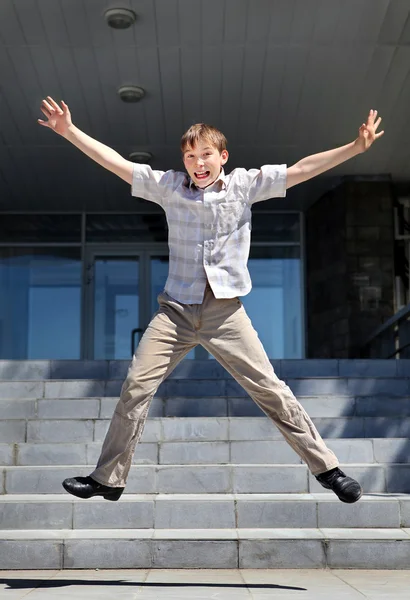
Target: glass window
25	228
40	303
274	305
127	228
159	274
116	306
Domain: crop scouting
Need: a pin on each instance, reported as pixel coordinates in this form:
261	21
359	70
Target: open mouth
202	174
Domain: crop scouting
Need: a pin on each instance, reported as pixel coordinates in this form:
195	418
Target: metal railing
392	339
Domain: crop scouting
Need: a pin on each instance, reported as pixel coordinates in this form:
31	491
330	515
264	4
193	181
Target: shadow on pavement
54	583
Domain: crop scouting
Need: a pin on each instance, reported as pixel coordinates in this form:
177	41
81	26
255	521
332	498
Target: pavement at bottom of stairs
223	584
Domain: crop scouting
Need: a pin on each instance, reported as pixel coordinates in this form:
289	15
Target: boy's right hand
58	117
59	120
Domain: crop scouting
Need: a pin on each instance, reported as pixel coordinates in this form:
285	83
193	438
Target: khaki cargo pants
223	328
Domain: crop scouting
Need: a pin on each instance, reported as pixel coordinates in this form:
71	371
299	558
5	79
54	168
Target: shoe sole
113	496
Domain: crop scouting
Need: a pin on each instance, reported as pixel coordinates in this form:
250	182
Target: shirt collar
221	178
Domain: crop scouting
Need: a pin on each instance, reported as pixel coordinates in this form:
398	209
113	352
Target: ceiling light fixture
131	93
120	18
139	156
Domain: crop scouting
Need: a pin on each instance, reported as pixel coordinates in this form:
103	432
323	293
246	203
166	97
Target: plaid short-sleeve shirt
209	229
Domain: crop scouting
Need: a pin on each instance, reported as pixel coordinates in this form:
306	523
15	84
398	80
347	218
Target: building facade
81	262
84	285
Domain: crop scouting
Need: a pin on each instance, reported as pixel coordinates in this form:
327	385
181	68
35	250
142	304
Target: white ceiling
281	78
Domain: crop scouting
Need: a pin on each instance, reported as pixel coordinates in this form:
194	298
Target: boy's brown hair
200	132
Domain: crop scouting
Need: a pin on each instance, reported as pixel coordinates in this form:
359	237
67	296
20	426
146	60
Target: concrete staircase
213	484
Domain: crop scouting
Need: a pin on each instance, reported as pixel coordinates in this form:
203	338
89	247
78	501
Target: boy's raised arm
59	120
319	163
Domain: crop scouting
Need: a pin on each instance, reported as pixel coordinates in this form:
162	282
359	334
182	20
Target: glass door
113	286
275	303
158	273
122	285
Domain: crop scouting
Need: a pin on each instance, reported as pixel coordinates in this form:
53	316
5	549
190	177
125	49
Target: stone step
199	388
220	479
366	451
181	428
213	549
103	408
202	511
36	370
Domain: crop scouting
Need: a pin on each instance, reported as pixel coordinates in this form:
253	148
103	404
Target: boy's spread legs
170	335
225	330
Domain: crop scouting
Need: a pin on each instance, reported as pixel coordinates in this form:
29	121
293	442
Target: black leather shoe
346	488
86	487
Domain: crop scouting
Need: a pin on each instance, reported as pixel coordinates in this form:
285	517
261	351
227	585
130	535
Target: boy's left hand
367	132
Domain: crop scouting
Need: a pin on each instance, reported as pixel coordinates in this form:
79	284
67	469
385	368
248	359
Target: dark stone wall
350	267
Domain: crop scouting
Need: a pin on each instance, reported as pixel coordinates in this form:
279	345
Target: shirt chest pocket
229	215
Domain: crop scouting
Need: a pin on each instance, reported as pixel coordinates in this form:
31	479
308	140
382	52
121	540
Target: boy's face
204	162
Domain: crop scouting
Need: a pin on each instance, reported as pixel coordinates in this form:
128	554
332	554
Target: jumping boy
208	215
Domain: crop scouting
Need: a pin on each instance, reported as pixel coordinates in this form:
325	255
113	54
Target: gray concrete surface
221	584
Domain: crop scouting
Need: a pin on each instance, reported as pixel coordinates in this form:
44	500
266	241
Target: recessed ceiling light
140	156
131	93
120	18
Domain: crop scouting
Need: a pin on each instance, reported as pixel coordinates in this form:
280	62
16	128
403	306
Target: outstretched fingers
375	125
45	112
58	117
46	107
367	131
371	118
54	104
379	120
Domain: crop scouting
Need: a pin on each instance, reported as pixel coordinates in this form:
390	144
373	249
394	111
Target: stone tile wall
350	266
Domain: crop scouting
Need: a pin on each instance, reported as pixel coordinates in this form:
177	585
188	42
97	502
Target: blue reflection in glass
159	274
40	303
274	305
116	306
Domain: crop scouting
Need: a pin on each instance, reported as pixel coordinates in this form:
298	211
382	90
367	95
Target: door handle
133	333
